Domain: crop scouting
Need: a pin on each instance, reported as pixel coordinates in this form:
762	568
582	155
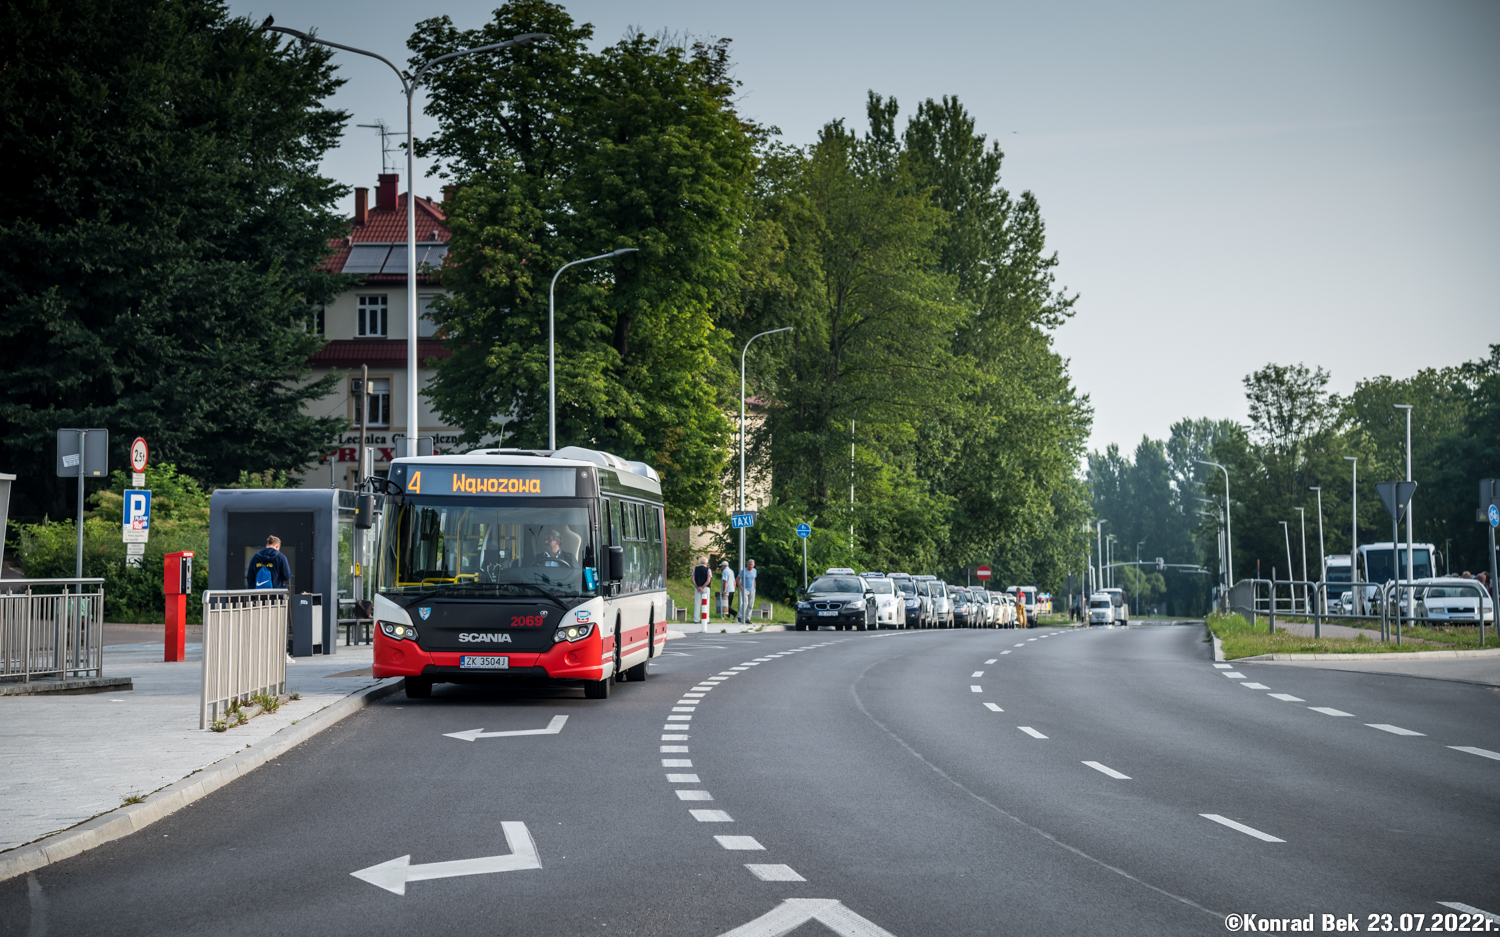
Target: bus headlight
574	632
398	632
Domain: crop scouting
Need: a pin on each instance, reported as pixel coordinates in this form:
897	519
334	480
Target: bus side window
658	556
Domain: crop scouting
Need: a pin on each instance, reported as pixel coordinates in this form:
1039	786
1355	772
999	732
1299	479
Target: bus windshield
488	548
1381	567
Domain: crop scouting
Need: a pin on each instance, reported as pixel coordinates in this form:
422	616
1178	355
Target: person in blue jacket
268	567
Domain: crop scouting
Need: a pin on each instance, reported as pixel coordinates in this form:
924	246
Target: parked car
987	607
1453	600
915	603
890	606
1101	609
942	602
1008	614
842	600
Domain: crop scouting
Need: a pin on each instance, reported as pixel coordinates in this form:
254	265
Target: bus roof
625	474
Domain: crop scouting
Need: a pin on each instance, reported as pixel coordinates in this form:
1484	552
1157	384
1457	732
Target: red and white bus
504	565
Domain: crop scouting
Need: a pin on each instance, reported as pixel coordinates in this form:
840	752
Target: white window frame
376	307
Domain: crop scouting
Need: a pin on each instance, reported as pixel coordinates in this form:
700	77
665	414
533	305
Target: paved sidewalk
64	759
1484	670
1305	629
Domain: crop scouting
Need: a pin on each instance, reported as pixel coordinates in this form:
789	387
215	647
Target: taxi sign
741	520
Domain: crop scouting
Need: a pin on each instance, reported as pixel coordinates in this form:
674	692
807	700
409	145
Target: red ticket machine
177	582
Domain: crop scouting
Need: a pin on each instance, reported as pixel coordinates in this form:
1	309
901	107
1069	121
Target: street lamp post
1138	577
409	85
1109	546
1354	532
1322	558
1099	534
1302	516
1228	529
742	450
552	343
1410	573
1291	593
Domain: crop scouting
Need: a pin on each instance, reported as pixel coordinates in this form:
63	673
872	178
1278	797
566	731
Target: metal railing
1395	610
244	648
51	628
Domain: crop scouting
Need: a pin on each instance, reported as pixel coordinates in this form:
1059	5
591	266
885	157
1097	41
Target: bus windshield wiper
539	590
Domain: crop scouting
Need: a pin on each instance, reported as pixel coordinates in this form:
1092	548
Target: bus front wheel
596	689
418	688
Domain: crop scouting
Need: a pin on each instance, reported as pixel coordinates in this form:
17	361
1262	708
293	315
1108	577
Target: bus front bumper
583	660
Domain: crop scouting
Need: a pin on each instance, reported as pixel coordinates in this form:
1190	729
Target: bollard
703	609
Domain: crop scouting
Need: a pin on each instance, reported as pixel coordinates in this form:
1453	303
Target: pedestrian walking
726	593
268	568
747	590
702	578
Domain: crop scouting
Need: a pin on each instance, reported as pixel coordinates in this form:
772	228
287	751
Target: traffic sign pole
804	531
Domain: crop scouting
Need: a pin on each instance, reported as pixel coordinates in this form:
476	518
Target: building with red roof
367	326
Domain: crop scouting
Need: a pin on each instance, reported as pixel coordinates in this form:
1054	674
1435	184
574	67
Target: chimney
361	207
385	192
448	191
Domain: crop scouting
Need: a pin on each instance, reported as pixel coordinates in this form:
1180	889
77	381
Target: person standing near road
747	590
702	576
268	568
726	593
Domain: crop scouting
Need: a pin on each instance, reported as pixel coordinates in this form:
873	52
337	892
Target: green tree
557	154
161	230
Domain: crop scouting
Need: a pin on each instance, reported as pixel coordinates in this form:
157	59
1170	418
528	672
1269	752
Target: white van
1101	609
1026	610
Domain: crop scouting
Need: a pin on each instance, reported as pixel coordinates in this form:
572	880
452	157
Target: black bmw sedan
841	600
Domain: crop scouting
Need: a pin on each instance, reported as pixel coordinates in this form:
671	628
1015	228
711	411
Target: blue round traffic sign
805	530
1494	516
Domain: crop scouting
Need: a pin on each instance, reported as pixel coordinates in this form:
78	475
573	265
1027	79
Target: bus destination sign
497	480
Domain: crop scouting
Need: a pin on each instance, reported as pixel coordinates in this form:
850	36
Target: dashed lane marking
1235	675
1470	909
684	709
975	689
679	718
1031	732
1287	697
674	738
711	816
1255	686
1247	830
694	795
1106	769
1005	652
673	748
993	708
773	873
739	842
1481	752
1224	666
1022	644
1329	711
977	673
683	779
991	661
1394	730
677	762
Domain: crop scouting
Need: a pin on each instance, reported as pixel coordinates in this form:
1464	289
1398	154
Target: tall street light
1353	461
1109	546
1138	577
552	343
1322	558
1410	573
1099	533
1228	529
742	448
1302	515
409	85
1292	593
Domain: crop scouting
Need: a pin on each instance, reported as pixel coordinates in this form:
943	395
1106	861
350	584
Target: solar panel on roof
366	258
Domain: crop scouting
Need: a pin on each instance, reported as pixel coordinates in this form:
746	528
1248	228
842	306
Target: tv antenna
387	160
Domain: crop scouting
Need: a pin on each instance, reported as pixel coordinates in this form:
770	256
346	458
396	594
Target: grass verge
1239	639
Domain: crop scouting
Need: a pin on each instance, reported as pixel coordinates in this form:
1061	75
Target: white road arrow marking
792	913
393	875
469	735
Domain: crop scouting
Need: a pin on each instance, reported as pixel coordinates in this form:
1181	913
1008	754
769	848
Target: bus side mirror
616	563
364	511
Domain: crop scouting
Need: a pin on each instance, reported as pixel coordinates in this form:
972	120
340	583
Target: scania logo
483	637
424	612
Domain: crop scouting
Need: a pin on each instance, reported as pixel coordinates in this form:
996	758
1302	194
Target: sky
1225	185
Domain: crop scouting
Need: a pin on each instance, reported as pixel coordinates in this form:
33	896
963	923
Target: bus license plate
828	614
484	663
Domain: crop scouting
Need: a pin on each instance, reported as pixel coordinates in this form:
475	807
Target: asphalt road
1108	781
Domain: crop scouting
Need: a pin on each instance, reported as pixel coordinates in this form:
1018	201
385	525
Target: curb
1218	647
123	821
1396	655
69	687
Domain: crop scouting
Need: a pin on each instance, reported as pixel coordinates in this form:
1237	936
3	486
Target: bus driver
552	552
